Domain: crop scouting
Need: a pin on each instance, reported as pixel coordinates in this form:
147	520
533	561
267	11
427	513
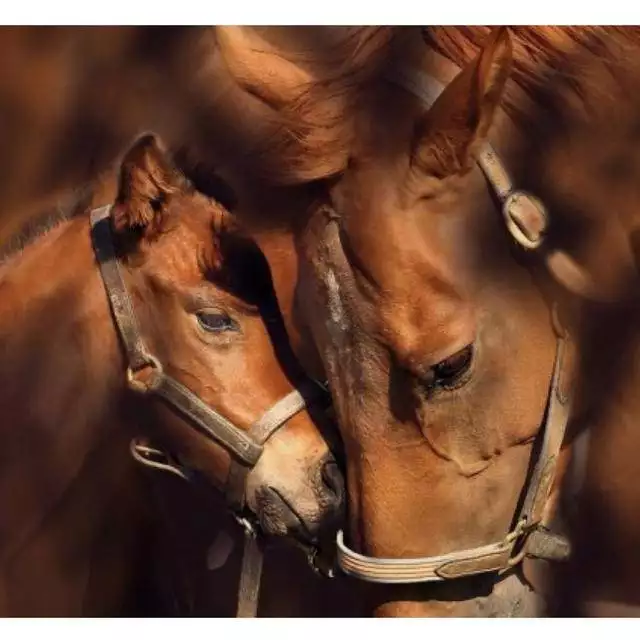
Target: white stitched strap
491	557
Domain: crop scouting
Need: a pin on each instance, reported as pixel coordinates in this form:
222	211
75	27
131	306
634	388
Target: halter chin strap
145	375
526	219
528	537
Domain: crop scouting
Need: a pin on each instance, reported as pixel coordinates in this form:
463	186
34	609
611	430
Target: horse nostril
332	479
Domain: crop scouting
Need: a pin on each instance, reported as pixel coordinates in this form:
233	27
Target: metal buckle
526	218
138	385
324	570
250	529
520	532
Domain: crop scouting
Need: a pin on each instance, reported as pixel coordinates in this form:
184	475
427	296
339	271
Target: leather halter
526	220
244	447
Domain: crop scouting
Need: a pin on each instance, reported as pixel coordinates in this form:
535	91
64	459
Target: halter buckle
141	386
326	570
526	218
246	524
519	534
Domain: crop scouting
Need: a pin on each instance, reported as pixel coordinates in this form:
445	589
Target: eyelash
216	321
451	373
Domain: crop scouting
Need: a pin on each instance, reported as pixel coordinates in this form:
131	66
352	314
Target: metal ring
141	451
137	385
313	558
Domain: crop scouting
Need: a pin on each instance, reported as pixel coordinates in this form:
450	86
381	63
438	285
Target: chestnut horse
70	522
451	373
448	366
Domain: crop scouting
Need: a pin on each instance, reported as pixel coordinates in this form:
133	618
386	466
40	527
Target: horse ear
147	181
459	121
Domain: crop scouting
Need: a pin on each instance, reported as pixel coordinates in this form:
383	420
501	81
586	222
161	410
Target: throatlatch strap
250	576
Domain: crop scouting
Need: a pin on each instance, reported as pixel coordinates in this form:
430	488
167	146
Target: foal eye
449	371
216	322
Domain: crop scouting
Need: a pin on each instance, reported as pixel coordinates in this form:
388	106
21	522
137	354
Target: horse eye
215	322
450	370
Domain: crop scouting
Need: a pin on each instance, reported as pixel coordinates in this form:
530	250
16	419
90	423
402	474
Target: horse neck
59	374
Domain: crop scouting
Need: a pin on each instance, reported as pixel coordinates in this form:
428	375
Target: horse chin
510	597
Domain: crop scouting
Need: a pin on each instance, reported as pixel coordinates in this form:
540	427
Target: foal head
203	298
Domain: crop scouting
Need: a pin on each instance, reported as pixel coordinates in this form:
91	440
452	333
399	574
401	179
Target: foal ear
451	131
147	181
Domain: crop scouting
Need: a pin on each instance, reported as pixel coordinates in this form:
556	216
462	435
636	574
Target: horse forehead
405	294
399	250
183	255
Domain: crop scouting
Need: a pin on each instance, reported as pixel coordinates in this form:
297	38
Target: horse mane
541	55
34	227
316	111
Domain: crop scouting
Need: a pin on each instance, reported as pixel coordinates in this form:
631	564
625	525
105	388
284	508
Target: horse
409	289
452	356
189	325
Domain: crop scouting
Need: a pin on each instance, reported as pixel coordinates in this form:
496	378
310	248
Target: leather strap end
250	577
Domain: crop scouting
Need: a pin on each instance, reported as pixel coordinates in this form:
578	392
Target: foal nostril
333	480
